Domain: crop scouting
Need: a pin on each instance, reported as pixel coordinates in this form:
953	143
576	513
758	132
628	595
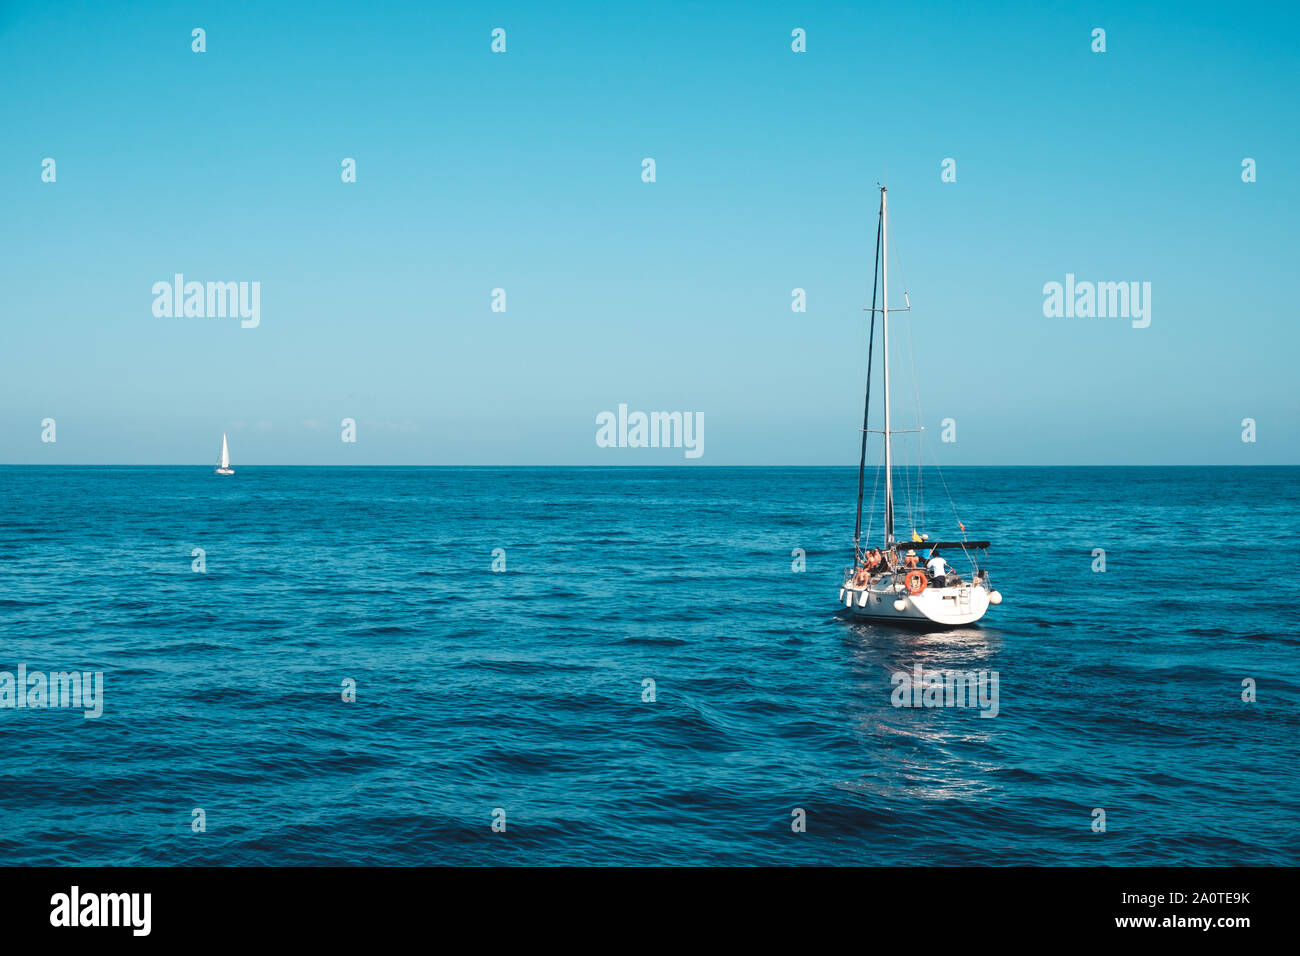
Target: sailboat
223	466
900	582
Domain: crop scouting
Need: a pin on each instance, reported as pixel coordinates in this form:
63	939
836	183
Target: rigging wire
875	489
915	504
866	407
921	436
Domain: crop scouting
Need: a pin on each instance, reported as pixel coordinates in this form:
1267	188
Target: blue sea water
523	689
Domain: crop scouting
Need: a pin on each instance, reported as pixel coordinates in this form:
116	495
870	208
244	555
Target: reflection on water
919	753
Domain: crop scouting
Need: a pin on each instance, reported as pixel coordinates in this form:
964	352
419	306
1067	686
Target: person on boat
860	575
909	561
938	568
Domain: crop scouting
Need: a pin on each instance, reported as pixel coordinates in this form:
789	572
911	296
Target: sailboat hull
225	471
933	607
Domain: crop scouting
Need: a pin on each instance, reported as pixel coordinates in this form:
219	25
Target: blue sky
522	171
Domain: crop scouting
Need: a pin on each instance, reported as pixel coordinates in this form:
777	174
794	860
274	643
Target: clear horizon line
676	465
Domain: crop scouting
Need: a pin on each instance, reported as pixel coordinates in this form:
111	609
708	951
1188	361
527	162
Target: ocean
231	619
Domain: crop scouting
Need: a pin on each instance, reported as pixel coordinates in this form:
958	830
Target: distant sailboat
223	466
893	584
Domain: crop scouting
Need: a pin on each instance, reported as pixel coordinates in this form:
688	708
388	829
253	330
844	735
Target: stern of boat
887	600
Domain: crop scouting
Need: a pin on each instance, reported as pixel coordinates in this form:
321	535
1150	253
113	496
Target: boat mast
884	312
866	403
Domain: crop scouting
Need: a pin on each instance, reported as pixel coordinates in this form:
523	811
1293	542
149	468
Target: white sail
223	466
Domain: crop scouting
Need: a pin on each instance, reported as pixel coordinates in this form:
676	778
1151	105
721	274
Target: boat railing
981	576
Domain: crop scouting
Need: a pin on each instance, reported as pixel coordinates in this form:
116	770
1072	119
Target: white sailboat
223	466
906	585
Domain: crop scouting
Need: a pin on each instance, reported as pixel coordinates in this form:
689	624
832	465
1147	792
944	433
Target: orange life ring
915	581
